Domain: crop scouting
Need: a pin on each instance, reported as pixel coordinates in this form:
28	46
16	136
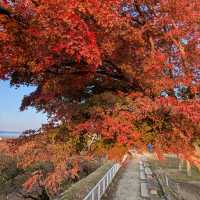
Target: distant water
9	134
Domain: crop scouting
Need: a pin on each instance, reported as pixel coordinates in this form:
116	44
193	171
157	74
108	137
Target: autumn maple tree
110	74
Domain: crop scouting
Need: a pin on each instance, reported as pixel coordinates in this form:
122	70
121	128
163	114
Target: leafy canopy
114	73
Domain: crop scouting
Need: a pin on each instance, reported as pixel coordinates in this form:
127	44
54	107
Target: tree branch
27	196
35	3
4	11
180	47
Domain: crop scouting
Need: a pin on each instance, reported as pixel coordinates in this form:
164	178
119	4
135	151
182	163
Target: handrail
99	189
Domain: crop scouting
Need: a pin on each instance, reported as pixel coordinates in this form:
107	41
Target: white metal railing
99	189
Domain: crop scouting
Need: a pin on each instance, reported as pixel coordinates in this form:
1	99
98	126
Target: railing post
104	185
106	180
167	180
93	195
99	192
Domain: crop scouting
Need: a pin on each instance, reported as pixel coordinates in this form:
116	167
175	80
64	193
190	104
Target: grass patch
170	167
80	189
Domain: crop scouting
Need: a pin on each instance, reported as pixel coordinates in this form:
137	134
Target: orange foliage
119	74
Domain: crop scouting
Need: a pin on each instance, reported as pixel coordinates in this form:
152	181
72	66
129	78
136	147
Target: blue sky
11	119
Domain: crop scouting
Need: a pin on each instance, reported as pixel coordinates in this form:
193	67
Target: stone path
128	187
149	185
137	182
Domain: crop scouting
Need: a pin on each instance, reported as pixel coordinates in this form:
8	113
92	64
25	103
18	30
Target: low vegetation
170	166
110	75
12	178
81	188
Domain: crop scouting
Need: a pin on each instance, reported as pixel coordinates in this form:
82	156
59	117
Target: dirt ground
189	191
189	186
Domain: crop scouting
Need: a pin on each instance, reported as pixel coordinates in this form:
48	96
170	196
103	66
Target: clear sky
11	119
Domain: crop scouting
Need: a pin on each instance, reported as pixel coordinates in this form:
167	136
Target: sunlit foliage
111	74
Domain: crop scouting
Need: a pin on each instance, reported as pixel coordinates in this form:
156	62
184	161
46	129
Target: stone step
144	190
141	167
141	162
142	175
144	158
153	191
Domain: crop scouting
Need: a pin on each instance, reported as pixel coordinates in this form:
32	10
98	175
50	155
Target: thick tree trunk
3	11
197	153
180	165
189	172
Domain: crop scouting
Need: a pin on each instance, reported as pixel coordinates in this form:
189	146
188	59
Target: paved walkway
128	187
